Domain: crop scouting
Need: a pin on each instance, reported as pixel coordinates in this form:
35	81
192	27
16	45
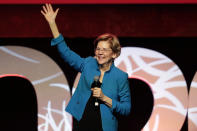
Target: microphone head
96	82
96	78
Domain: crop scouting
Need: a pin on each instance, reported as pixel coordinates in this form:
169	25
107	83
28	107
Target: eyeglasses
103	50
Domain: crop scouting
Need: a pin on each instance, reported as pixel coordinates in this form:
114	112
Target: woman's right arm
73	59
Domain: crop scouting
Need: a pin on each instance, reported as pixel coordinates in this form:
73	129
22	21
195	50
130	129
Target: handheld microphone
97	84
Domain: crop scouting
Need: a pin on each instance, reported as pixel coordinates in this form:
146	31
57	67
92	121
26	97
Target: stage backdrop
76	21
163	76
24	21
51	86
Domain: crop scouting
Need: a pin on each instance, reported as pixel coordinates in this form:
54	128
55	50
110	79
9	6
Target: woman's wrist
52	23
54	29
107	101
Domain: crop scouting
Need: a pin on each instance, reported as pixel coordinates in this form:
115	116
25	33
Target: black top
91	119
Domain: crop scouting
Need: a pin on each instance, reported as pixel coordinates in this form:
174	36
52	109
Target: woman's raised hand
48	13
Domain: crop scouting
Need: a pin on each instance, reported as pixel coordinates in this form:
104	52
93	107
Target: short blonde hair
112	40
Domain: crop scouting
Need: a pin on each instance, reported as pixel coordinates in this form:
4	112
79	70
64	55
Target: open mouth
101	58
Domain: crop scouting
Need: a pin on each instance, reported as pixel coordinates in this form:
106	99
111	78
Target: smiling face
104	54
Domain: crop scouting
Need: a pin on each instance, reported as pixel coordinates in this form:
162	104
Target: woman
113	95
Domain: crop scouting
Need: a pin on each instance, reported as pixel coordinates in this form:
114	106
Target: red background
92	20
97	1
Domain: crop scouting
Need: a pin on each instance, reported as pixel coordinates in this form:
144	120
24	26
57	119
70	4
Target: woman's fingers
47	8
96	92
56	11
50	7
42	12
44	8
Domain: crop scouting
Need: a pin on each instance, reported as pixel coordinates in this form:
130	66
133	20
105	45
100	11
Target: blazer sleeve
69	56
123	105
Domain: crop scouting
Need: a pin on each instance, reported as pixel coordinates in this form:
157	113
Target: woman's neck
105	67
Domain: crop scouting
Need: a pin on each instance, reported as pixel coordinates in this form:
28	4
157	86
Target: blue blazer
114	85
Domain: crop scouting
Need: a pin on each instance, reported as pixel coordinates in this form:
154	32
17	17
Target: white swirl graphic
52	90
18	55
167	84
